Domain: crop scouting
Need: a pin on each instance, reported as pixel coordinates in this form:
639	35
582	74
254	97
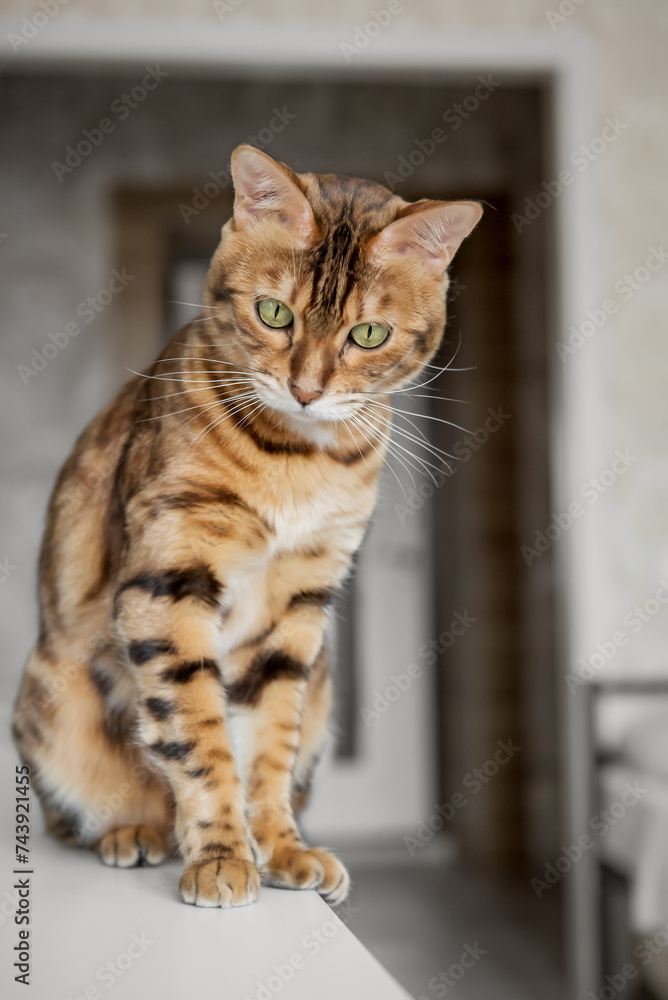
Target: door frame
564	62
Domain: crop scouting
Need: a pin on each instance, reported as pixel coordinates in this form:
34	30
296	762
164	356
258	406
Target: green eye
369	334
274	313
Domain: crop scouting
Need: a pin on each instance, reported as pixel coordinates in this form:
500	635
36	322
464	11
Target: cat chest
305	551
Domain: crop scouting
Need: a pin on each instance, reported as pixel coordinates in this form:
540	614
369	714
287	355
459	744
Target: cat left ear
264	189
430	232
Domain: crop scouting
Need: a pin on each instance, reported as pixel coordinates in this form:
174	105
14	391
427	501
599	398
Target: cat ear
264	189
429	232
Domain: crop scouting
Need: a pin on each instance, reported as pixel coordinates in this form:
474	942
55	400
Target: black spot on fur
215	848
223	293
160	708
196	581
319	598
199	772
142	650
172	751
182	673
102	681
262	671
198	496
116	726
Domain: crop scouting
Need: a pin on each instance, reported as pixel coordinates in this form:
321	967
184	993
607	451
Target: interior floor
420	922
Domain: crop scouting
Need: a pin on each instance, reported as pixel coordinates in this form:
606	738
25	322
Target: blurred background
497	778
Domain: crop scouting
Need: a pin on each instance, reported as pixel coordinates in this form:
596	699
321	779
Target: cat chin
312	429
317	423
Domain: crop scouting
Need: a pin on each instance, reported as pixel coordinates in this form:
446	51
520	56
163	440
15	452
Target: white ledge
95	929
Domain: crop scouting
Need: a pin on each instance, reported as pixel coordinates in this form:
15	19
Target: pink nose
303	396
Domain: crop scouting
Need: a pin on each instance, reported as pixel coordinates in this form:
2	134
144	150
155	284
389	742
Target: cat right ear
428	232
264	189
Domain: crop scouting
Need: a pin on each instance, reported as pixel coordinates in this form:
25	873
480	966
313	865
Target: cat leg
313	730
170	622
84	766
269	701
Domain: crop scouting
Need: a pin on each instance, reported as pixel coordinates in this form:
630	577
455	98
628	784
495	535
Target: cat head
324	288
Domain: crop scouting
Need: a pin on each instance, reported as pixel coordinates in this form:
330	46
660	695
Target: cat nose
304	396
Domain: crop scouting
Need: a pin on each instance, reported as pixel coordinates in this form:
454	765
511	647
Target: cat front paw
220	882
130	846
308	868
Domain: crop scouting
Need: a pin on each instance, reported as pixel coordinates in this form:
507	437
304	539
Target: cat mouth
325	410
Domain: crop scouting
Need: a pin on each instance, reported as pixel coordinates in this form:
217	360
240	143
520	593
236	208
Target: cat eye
369	334
274	313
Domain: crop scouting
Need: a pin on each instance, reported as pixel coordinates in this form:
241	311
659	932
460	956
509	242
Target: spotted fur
181	672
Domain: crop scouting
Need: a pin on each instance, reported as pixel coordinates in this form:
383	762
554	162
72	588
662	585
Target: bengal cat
179	692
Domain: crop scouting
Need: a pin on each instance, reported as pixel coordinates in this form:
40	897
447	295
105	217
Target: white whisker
472	368
211	361
355	441
423	467
229	405
390	445
389	466
173	413
170	378
426	416
422	442
196	305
